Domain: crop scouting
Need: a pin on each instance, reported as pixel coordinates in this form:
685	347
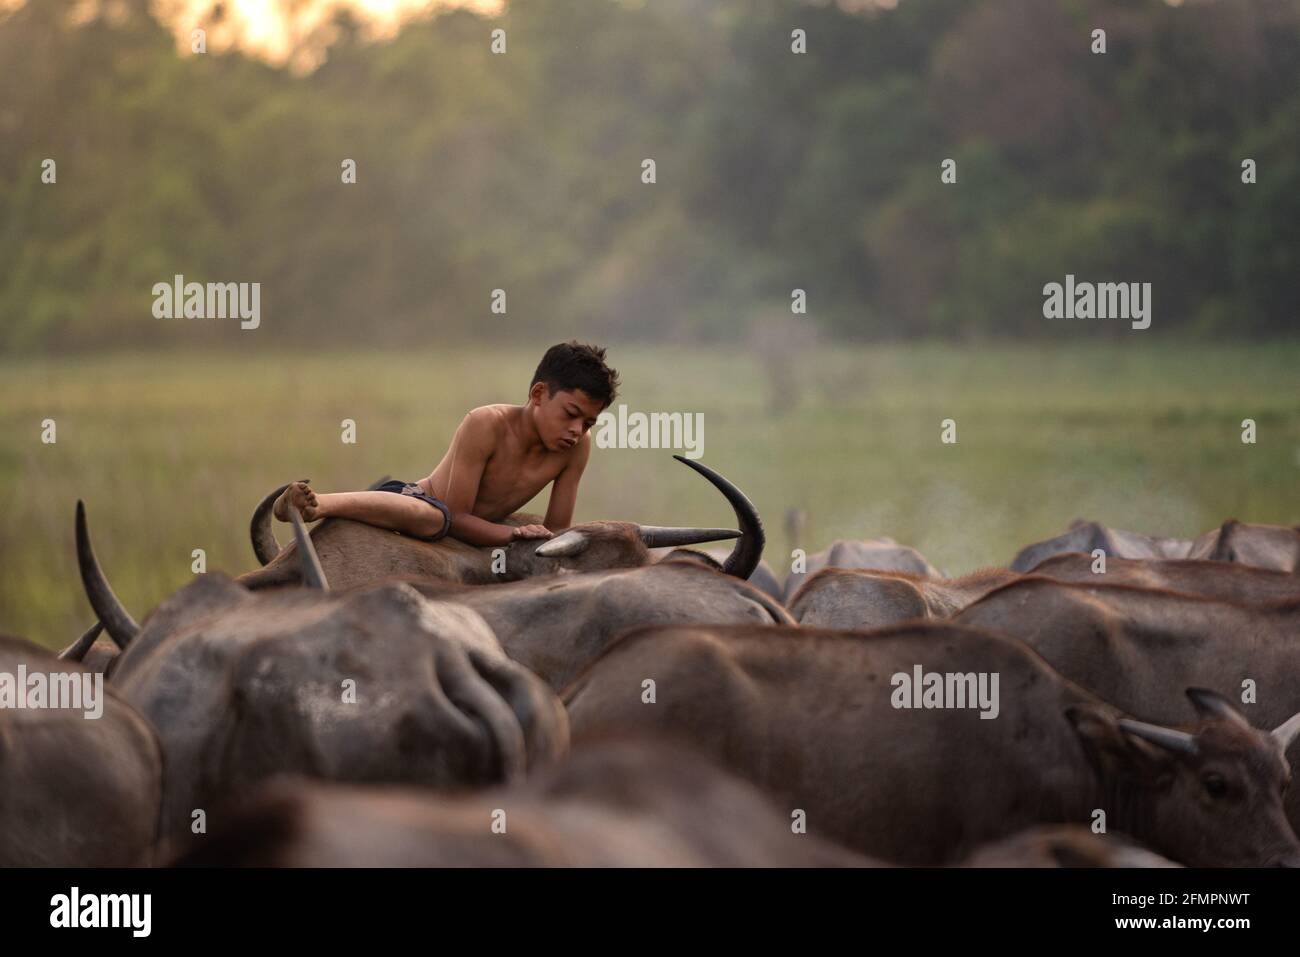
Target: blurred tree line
522	171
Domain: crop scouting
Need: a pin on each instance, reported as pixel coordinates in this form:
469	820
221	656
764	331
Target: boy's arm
564	493
471	448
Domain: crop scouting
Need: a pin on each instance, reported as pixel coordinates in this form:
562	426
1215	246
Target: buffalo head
1211	796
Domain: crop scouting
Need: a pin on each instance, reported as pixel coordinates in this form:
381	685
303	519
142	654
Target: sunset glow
295	32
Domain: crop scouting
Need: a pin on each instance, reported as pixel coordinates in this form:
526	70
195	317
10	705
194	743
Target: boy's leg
400	513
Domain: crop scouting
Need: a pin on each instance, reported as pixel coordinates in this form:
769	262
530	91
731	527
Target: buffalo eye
1215	785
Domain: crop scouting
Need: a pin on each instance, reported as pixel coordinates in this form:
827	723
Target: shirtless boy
500	457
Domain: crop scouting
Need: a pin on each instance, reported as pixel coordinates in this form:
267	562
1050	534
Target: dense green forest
774	171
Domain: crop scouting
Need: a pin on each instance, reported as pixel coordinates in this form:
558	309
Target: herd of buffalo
614	697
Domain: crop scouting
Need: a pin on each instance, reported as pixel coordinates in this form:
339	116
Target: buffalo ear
1109	749
1097	731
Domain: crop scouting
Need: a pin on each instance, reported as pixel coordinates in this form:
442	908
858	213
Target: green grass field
172	452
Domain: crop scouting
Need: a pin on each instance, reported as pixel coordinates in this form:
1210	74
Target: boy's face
564	417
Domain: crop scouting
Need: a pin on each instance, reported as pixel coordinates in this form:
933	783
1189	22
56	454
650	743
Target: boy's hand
531	531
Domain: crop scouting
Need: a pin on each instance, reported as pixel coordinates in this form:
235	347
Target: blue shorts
414	490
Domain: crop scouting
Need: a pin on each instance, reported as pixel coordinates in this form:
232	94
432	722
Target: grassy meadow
171	452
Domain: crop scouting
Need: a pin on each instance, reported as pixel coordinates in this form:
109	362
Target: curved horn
1211	704
1168	738
313	576
77	650
117	620
748	549
563	545
265	547
1287	732
667	536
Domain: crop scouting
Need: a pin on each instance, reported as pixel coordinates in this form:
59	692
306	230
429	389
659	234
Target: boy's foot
300	495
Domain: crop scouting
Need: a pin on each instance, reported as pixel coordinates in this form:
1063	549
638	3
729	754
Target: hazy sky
298	32
282	30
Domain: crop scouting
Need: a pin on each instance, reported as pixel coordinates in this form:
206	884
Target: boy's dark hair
576	365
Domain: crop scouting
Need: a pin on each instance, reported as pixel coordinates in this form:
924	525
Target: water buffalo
352	553
1241	584
379	684
1135	647
1263	546
878	554
74	791
855	598
556	626
819	719
620	804
858	598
